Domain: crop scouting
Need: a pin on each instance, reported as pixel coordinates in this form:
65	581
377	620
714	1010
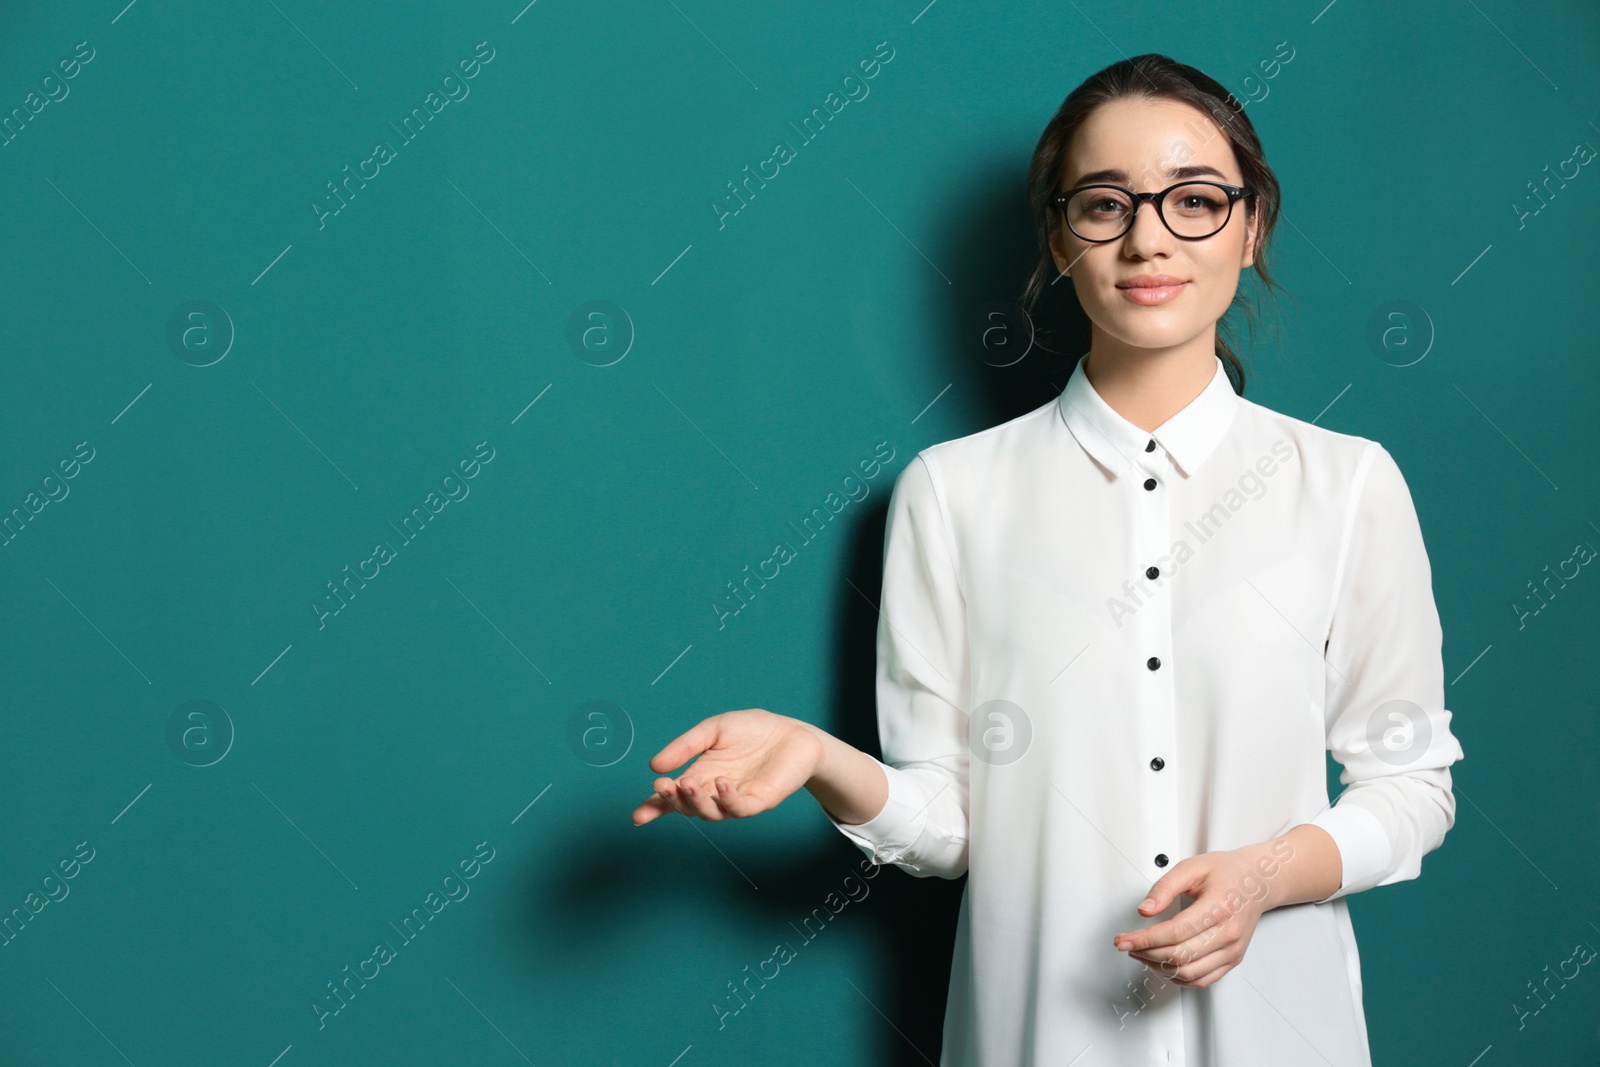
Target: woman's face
1147	145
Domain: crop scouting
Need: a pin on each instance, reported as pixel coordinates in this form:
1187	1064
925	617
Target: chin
1148	334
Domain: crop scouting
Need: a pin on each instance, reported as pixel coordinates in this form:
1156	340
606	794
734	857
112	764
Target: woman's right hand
750	761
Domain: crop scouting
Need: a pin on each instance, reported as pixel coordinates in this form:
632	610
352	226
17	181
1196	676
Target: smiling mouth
1151	295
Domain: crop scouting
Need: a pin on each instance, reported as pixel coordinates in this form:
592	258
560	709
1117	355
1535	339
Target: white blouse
1101	651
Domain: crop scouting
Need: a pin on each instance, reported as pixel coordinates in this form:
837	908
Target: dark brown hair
1153	76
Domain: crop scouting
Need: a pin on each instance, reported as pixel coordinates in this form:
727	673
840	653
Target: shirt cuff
1364	850
889	835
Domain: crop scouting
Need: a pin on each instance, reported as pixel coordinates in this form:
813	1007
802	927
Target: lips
1149	281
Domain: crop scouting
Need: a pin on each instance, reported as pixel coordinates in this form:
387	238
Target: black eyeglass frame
1234	192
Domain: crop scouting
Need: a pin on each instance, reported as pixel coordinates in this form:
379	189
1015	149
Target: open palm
749	762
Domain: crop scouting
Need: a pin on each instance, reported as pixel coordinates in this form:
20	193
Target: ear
1058	252
1249	257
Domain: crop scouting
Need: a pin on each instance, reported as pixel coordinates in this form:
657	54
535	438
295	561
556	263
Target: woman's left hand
1207	939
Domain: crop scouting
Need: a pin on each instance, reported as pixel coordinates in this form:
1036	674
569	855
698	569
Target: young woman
1118	634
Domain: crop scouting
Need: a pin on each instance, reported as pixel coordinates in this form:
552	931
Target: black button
1149	483
1151	447
1152	663
1152	572
1157	763
1161	859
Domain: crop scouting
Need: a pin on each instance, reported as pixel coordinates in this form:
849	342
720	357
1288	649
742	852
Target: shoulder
1357	478
985	452
1323	453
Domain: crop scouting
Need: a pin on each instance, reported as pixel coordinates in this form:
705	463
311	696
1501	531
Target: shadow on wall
819	895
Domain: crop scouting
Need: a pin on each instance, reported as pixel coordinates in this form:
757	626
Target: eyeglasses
1099	213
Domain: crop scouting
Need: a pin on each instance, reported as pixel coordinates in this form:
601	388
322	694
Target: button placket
1158	732
1158	793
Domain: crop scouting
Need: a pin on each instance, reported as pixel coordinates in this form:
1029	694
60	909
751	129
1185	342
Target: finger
1222	968
666	801
686	746
1169	960
702	800
736	802
1182	878
728	798
667	797
1189	922
1186	971
678	798
651	809
1217	936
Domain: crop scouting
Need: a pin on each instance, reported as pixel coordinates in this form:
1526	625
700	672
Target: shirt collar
1189	436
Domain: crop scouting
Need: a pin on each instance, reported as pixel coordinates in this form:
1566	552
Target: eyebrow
1178	173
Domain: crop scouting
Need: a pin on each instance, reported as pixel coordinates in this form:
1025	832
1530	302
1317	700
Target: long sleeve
921	683
1386	721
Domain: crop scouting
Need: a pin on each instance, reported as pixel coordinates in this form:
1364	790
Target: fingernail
1146	902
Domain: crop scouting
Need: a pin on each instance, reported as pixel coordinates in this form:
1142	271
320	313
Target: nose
1147	233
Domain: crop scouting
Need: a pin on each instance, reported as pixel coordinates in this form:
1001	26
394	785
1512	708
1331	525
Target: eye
1196	201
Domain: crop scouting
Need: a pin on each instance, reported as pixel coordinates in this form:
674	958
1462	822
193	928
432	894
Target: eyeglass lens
1190	211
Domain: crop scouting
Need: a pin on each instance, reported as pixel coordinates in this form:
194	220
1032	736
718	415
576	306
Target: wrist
1267	873
1298	866
823	771
846	782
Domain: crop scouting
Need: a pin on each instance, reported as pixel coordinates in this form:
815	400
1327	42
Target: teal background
363	759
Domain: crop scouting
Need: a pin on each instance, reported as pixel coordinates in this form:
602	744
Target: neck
1147	386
